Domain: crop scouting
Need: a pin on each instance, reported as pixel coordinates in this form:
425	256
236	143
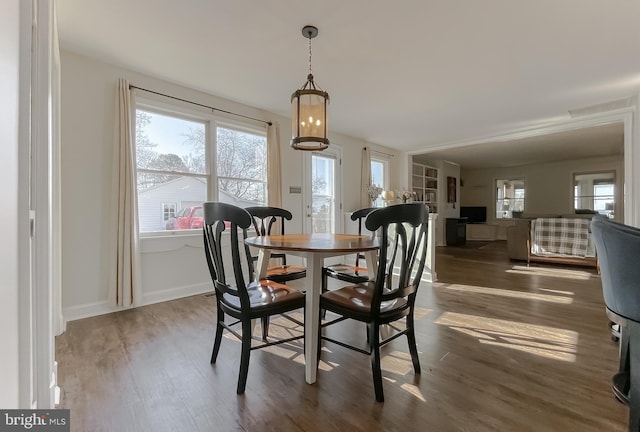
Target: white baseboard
175	293
430	277
100	308
73	313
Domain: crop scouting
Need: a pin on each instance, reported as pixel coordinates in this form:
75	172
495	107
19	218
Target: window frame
334	152
510	200
243	128
211	123
169	208
593	196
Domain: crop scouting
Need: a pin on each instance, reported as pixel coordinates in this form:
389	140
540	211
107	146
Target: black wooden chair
391	295
237	294
264	220
618	251
352	273
267	221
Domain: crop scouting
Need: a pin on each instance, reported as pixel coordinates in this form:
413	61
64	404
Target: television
474	215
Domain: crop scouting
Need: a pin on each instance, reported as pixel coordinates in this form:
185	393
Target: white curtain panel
365	180
274	167
125	281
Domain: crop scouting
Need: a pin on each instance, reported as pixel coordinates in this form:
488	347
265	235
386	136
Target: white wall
549	187
173	266
9	80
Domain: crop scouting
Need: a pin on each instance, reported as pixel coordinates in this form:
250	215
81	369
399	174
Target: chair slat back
360	216
265	218
268	221
219	218
403	249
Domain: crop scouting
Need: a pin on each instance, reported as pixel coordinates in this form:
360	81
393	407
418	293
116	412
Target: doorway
323	201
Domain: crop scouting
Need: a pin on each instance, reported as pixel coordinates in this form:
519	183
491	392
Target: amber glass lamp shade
309	117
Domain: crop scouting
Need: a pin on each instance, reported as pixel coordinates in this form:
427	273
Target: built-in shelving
424	184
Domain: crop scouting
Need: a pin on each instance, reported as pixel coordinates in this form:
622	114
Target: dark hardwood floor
503	347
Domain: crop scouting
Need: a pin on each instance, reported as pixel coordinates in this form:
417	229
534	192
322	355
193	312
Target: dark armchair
618	250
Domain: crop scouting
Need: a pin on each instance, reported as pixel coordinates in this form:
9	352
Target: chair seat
283	273
356	274
358	299
265	295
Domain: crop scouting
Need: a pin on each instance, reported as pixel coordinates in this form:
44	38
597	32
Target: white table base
313	286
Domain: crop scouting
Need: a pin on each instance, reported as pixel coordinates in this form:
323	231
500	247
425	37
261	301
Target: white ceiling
407	74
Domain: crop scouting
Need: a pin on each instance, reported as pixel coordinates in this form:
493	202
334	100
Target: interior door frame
334	151
630	119
39	294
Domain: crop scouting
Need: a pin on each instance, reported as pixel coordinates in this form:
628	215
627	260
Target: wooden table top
317	242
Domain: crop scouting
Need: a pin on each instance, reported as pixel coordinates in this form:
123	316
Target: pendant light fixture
309	104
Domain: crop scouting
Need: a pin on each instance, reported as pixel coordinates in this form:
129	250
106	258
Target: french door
323	200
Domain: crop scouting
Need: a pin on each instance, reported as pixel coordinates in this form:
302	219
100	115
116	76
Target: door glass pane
323	194
377	179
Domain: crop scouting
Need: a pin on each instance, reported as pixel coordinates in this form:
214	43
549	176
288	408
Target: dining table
314	247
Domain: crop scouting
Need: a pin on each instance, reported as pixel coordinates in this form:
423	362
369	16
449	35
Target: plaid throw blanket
560	237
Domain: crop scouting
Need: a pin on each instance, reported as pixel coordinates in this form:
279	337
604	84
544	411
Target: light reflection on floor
551	272
550	342
506	293
414	391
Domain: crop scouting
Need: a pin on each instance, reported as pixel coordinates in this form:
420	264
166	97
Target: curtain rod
382	153
199	104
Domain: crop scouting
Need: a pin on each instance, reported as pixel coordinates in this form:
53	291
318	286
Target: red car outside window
187	218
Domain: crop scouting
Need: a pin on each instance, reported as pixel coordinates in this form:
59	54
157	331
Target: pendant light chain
309	109
310	55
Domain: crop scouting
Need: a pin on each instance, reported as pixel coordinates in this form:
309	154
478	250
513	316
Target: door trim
336	152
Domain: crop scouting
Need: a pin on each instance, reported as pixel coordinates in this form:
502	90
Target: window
379	176
242	167
168	211
174	153
595	192
509	198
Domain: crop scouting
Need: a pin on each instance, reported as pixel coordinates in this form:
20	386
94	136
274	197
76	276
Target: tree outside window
242	165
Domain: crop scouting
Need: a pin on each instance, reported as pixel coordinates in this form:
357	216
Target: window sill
168	243
170	234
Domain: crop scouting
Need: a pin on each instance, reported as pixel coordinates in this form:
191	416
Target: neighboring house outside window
174	152
510	195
